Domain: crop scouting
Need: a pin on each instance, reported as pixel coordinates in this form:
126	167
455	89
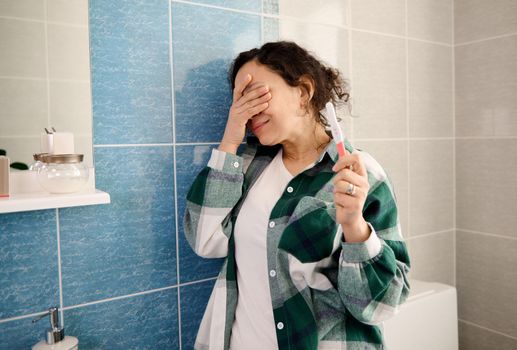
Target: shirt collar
331	150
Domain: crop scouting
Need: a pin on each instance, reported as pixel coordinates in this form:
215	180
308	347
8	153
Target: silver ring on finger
351	189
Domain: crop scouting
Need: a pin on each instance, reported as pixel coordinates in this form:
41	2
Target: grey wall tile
380	16
477	338
431	186
24	107
327	43
486	80
432	258
430	20
30	9
379	85
69	12
430	90
487	281
23	49
480	19
20	149
331	12
29	279
486	187
68	52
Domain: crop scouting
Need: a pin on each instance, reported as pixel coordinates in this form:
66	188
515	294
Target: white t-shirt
254	326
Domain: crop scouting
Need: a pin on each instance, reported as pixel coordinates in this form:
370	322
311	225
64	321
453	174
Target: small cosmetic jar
62	173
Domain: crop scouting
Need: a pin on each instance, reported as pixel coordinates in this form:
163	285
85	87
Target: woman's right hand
246	104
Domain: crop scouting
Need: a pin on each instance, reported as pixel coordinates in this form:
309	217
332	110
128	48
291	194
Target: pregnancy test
337	135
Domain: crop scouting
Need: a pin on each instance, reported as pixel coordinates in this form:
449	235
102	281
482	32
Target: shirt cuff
225	162
362	251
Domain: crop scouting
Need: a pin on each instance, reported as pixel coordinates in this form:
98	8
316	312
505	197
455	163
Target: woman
314	257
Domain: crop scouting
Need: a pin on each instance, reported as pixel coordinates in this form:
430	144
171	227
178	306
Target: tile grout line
380	139
489	234
408	143
150	291
134	145
44	21
215	7
262	22
197	281
494	137
428	234
486	39
348	17
59	270
47	64
296	19
175	181
405	37
58	80
101	301
58	236
16	318
120	297
430	138
486	329
454	199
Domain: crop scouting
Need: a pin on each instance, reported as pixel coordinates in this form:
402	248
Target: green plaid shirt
347	289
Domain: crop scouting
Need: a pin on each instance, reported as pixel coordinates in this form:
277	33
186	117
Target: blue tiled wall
124	272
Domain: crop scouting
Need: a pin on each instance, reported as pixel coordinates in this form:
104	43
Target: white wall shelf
42	200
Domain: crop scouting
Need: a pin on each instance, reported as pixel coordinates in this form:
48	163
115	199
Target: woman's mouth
255	127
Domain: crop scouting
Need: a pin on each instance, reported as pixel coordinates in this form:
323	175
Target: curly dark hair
293	62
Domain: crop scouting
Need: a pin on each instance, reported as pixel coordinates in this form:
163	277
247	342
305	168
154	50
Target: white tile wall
481	19
430	20
44	74
379	16
399	59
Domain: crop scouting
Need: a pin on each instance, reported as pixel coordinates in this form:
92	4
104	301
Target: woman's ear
306	90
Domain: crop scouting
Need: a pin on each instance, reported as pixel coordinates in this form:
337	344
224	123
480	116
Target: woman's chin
265	141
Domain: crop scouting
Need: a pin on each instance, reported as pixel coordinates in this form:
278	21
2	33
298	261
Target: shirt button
271	224
236	164
272	273
290	189
280	325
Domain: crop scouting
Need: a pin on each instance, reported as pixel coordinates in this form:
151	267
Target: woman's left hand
350	191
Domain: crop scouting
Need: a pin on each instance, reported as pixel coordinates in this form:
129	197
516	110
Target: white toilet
428	320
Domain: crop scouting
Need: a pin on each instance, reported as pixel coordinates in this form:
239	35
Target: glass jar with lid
62	173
